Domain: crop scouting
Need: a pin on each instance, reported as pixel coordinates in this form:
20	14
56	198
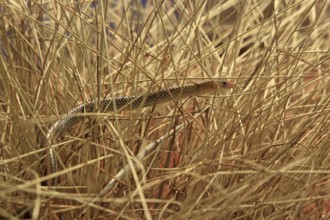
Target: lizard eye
226	84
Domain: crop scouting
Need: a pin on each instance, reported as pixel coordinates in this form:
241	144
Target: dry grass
260	151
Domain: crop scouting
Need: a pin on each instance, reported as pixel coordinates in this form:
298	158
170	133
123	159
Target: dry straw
258	151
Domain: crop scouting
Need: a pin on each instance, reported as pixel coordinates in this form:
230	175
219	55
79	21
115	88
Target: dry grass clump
259	151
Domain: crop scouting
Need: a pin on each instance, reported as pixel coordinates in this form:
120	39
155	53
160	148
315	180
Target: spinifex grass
259	151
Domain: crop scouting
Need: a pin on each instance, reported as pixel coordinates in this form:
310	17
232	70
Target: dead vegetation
259	151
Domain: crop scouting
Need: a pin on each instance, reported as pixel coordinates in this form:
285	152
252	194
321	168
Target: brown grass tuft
259	151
